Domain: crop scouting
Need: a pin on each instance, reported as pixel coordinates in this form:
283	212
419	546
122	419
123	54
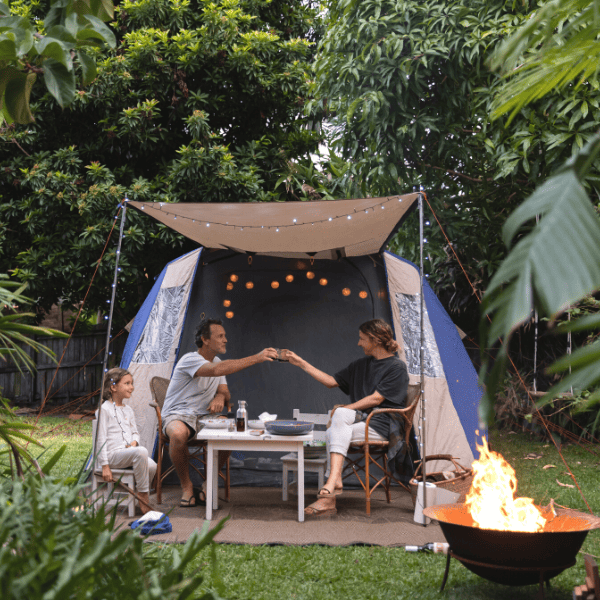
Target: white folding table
221	439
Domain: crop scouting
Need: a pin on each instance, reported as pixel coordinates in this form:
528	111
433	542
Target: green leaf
53	48
88	67
60	32
59	81
97	29
54	459
8	49
15	89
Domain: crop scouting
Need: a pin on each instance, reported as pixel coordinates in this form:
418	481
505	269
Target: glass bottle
435	547
241	417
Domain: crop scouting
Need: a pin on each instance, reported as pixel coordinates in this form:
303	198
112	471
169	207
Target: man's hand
217	404
107	473
267	355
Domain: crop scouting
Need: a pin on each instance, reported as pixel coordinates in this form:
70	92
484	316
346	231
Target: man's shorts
193	422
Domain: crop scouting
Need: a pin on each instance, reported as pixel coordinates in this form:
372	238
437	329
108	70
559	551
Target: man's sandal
189	503
313	511
198	498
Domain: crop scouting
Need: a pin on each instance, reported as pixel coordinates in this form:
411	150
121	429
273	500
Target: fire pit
512	557
508	539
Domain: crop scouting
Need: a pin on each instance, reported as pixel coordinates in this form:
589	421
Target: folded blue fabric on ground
153	526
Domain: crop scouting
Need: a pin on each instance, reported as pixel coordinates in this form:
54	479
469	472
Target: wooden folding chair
374	452
158	389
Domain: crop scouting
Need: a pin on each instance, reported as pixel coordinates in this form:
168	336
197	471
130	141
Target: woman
118	438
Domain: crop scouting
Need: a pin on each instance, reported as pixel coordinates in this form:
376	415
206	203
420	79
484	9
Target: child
118	438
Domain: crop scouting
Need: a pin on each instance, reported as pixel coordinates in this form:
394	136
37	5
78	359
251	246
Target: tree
409	92
556	261
200	101
68	30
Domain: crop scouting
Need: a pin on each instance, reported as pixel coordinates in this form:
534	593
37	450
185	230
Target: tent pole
422	353
112	304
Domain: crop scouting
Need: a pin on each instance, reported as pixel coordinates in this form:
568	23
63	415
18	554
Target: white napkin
153	515
265	416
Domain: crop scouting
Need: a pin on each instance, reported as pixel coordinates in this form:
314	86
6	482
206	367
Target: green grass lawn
369	573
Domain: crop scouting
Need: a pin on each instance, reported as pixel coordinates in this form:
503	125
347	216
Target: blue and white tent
302	276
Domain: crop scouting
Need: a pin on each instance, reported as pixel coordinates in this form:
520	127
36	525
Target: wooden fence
78	377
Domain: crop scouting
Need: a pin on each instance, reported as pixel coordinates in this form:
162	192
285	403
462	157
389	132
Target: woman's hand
291	357
107	473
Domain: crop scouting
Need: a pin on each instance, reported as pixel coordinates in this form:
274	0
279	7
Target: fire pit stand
543	571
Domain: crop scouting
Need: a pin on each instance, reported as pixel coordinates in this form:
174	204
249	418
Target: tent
304	276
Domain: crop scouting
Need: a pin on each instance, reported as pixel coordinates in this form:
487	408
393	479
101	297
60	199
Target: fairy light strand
294	223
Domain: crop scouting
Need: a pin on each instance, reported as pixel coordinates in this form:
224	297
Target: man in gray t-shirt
189	395
198	388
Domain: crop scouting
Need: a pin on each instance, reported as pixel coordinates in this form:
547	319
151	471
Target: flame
491	499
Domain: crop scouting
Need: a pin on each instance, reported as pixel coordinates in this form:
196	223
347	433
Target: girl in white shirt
118	438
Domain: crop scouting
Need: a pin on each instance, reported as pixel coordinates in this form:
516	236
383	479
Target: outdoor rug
259	516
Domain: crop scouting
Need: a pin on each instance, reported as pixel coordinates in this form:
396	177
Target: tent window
156	341
409	306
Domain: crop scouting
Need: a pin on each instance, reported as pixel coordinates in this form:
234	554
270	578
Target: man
379	380
198	390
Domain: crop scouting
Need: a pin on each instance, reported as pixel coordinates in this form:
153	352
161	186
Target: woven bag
459	484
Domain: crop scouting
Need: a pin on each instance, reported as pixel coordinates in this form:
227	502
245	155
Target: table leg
209	480
215	483
301	482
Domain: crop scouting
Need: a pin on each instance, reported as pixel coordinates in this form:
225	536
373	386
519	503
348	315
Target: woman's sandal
325	493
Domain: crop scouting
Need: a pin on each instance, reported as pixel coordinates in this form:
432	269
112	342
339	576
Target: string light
310	275
230	286
363	294
289	278
294	220
234	277
274	284
249	285
346	291
226	303
229	314
323	281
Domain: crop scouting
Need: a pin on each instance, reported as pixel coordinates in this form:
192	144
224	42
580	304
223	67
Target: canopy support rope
76	319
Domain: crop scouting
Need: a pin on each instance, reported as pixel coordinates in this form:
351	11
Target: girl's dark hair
381	332
113	377
203	330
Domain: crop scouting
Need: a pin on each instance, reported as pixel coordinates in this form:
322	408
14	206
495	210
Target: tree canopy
407	86
199	101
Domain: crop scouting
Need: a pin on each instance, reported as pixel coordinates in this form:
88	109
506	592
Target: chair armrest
407	413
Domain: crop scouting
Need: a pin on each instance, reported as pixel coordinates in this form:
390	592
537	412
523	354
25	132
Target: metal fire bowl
512	557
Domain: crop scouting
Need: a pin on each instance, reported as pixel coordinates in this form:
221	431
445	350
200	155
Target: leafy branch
71	27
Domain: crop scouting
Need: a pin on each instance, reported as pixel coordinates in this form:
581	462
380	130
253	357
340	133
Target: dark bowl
511	557
289	427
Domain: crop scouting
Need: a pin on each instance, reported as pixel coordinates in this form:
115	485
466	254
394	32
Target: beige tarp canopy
324	229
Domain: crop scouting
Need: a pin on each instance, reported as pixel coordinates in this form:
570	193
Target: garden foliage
554	236
200	101
408	88
57	47
52	546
